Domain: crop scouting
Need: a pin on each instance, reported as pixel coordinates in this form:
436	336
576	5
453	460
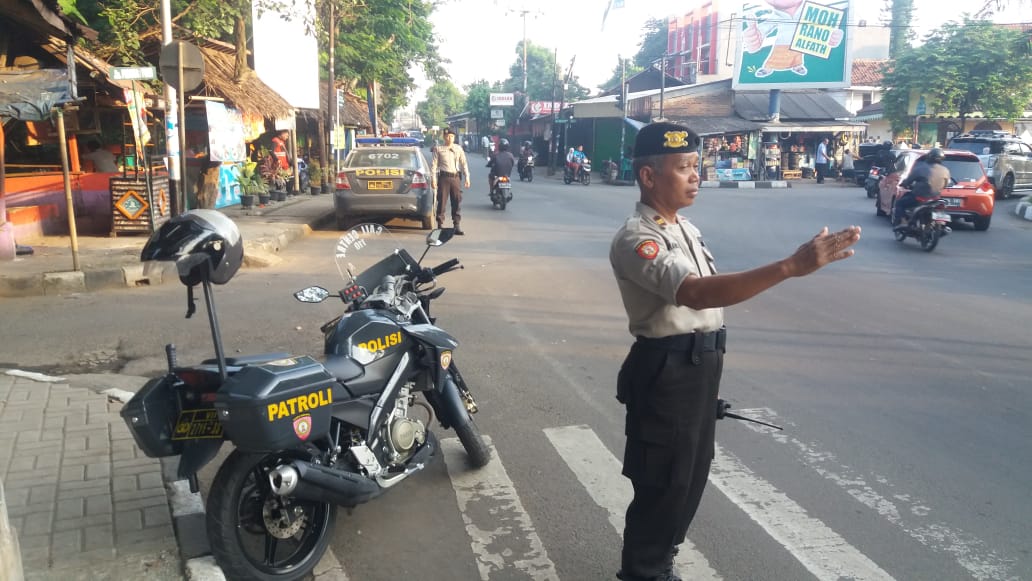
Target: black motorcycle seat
343	368
249	359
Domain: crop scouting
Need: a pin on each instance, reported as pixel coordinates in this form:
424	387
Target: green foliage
960	69
251	182
442	100
70	9
478	101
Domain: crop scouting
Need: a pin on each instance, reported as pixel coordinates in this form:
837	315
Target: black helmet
888	144
205	245
503	144
935	155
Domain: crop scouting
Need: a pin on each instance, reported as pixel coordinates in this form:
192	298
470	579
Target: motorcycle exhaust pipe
308	481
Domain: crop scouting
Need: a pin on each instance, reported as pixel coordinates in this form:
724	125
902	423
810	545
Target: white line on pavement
821	550
501	533
598	471
900	509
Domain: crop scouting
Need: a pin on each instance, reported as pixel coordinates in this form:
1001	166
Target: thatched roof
353	113
249	94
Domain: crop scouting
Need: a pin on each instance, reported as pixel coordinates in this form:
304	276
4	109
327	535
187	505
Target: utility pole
553	142
172	144
623	101
662	82
331	97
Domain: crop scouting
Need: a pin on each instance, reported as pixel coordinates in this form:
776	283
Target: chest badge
647	249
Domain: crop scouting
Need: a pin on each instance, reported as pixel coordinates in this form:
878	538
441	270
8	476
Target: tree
901	15
478	97
442	100
651	49
960	69
542	70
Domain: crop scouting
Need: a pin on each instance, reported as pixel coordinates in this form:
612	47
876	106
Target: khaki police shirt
650	260
448	158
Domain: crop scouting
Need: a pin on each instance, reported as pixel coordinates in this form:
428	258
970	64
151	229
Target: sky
479	37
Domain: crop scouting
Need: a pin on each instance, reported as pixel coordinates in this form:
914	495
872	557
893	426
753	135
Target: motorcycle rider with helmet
501	164
526	153
926	180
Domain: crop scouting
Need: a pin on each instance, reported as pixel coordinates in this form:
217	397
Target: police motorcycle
927	222
525	165
308	435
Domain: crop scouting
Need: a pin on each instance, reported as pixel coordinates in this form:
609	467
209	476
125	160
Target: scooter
583	173
926	223
525	166
873	182
501	193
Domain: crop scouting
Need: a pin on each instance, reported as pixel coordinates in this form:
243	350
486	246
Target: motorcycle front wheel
586	178
468	432
256	534
530	174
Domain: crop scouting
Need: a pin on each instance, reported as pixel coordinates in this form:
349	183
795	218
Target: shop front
789	150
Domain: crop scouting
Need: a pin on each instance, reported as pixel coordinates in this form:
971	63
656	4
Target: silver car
383	182
1007	159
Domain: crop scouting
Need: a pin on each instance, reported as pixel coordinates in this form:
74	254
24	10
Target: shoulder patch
647	249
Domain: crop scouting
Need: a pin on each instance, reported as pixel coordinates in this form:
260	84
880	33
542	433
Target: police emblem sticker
647	249
303	426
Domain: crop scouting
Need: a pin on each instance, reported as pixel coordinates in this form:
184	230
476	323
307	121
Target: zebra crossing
506	545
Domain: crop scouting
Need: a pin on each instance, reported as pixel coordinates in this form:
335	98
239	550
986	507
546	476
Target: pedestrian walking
447	165
821	161
669	382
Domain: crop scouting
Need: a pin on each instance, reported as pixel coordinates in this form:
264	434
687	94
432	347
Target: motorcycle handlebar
445	267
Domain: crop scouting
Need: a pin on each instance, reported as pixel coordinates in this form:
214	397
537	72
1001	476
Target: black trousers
821	169
449	187
671	400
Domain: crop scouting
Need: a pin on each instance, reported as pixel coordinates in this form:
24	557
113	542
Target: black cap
448	130
663	138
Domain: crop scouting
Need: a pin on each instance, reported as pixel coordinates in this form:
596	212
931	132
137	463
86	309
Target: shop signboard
793	44
734	174
501	99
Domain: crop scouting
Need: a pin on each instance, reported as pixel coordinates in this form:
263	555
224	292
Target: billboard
793	44
286	53
501	99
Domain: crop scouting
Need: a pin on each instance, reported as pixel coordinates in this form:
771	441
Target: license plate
953	202
380	185
197	425
943	216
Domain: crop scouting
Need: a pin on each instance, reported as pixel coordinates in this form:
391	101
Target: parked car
1007	159
970	197
867	153
384	179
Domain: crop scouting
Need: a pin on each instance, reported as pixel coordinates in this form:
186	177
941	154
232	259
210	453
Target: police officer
447	167
670	379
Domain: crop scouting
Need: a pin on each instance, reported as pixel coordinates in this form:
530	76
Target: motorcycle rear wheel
502	201
241	507
929	239
530	174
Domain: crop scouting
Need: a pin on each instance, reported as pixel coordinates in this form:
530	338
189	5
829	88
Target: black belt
697	342
447	174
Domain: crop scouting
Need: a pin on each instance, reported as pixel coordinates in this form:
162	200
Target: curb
748	185
1024	208
187	516
10	554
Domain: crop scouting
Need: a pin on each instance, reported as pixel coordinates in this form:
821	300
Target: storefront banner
225	133
138	115
543	107
734	174
793	44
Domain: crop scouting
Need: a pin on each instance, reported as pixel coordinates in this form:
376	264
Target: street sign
497	114
189	56
133	73
500	122
501	100
562	120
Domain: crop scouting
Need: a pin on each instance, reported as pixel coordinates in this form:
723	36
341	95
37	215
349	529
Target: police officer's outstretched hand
823	249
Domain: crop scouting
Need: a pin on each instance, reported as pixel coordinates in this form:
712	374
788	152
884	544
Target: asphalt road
901	378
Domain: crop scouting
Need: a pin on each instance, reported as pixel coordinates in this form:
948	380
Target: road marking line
970	553
501	532
598	471
821	550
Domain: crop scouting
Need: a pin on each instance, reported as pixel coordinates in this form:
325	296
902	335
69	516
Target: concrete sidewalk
114	262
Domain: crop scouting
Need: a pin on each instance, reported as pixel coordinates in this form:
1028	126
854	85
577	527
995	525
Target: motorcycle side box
278	404
151	417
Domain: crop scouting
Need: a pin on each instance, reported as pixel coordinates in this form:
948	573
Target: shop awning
704	126
794	106
814	127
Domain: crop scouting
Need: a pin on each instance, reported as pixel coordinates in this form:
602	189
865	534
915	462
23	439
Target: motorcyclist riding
574	159
501	164
926	180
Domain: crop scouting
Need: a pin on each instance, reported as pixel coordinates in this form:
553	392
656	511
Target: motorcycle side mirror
312	294
439	236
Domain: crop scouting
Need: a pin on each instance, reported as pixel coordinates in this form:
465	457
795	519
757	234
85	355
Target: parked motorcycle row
309	436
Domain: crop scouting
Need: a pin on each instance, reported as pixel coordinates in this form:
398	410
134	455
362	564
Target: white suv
1007	159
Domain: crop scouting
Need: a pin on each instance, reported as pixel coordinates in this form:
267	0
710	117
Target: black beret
663	138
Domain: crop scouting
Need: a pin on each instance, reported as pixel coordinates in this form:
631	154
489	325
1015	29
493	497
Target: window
704	46
866	99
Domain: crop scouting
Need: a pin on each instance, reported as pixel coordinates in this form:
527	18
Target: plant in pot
252	185
315	173
280	179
